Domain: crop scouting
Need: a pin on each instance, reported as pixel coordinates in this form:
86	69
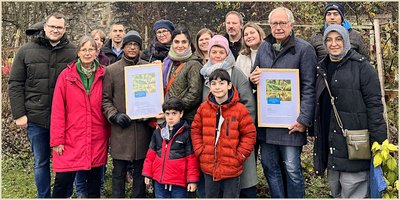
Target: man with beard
233	26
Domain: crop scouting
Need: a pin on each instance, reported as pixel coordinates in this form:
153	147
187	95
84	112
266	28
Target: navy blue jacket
296	54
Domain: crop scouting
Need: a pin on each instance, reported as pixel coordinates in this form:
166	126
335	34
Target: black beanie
132	36
335	6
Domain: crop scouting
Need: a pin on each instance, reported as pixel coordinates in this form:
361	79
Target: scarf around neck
208	68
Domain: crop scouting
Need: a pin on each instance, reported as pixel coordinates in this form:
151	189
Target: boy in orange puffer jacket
223	136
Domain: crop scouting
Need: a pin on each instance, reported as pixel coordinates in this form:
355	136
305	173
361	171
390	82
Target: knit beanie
346	41
163	24
335	6
219	40
132	36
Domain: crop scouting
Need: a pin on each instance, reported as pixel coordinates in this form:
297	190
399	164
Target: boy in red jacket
223	136
170	160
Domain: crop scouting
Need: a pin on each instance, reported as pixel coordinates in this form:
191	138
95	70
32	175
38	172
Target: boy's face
172	117
219	88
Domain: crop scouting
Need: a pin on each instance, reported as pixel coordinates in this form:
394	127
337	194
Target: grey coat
296	54
130	143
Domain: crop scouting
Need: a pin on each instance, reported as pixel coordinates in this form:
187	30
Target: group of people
72	101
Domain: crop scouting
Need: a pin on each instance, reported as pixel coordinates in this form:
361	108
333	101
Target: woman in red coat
78	129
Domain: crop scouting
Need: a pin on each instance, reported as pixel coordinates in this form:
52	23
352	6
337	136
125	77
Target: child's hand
191	187
147	181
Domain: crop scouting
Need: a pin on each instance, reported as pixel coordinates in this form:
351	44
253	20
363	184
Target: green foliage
385	156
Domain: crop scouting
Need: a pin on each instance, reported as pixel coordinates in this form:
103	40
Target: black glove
121	119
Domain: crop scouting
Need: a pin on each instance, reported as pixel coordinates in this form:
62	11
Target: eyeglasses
162	32
87	50
281	24
58	28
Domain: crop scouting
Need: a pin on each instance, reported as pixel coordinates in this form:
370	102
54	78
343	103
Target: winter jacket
296	54
155	51
33	77
172	162
242	84
107	50
234	46
188	86
355	87
235	142
356	41
103	59
77	122
132	142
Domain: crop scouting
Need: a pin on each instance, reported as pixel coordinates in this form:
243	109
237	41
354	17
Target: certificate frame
144	91
278	97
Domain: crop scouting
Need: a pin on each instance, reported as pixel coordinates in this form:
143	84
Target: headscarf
346	41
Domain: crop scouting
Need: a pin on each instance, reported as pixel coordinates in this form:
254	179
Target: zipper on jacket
163	165
227	127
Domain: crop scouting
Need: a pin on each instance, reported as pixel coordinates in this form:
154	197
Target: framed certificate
278	97
144	90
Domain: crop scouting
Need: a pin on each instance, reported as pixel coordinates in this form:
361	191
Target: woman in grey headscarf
355	88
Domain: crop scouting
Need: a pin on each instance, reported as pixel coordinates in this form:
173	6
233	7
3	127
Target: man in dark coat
355	87
34	72
130	139
281	147
334	14
113	47
233	26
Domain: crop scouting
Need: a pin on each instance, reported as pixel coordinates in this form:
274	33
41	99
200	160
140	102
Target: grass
18	182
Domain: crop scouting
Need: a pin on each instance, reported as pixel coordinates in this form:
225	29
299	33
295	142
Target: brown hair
101	34
201	32
245	50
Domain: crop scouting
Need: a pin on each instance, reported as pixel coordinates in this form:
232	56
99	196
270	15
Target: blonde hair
101	34
245	50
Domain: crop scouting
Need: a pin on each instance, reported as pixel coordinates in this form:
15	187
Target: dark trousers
226	188
65	180
118	178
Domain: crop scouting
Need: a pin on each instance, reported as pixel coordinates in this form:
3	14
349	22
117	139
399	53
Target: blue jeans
39	138
272	157
169	191
81	182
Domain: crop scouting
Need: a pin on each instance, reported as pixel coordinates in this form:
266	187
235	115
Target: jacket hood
35	29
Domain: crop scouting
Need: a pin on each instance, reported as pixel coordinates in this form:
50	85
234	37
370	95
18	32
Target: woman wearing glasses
160	41
79	131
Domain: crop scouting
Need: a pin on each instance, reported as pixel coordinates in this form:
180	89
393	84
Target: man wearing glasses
33	76
281	147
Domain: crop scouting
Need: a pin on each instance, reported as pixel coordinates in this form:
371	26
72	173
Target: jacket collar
321	67
233	98
42	40
288	45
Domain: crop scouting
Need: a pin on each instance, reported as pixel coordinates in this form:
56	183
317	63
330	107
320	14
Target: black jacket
234	46
34	72
107	50
355	87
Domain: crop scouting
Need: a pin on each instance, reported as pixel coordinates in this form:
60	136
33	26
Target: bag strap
171	80
339	121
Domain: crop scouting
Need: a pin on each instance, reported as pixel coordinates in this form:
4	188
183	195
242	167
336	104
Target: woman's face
251	38
334	43
217	54
163	36
203	41
99	41
180	43
87	53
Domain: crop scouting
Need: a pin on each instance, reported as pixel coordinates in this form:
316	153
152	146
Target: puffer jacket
130	143
172	162
355	87
296	54
77	122
356	41
33	77
187	86
236	140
